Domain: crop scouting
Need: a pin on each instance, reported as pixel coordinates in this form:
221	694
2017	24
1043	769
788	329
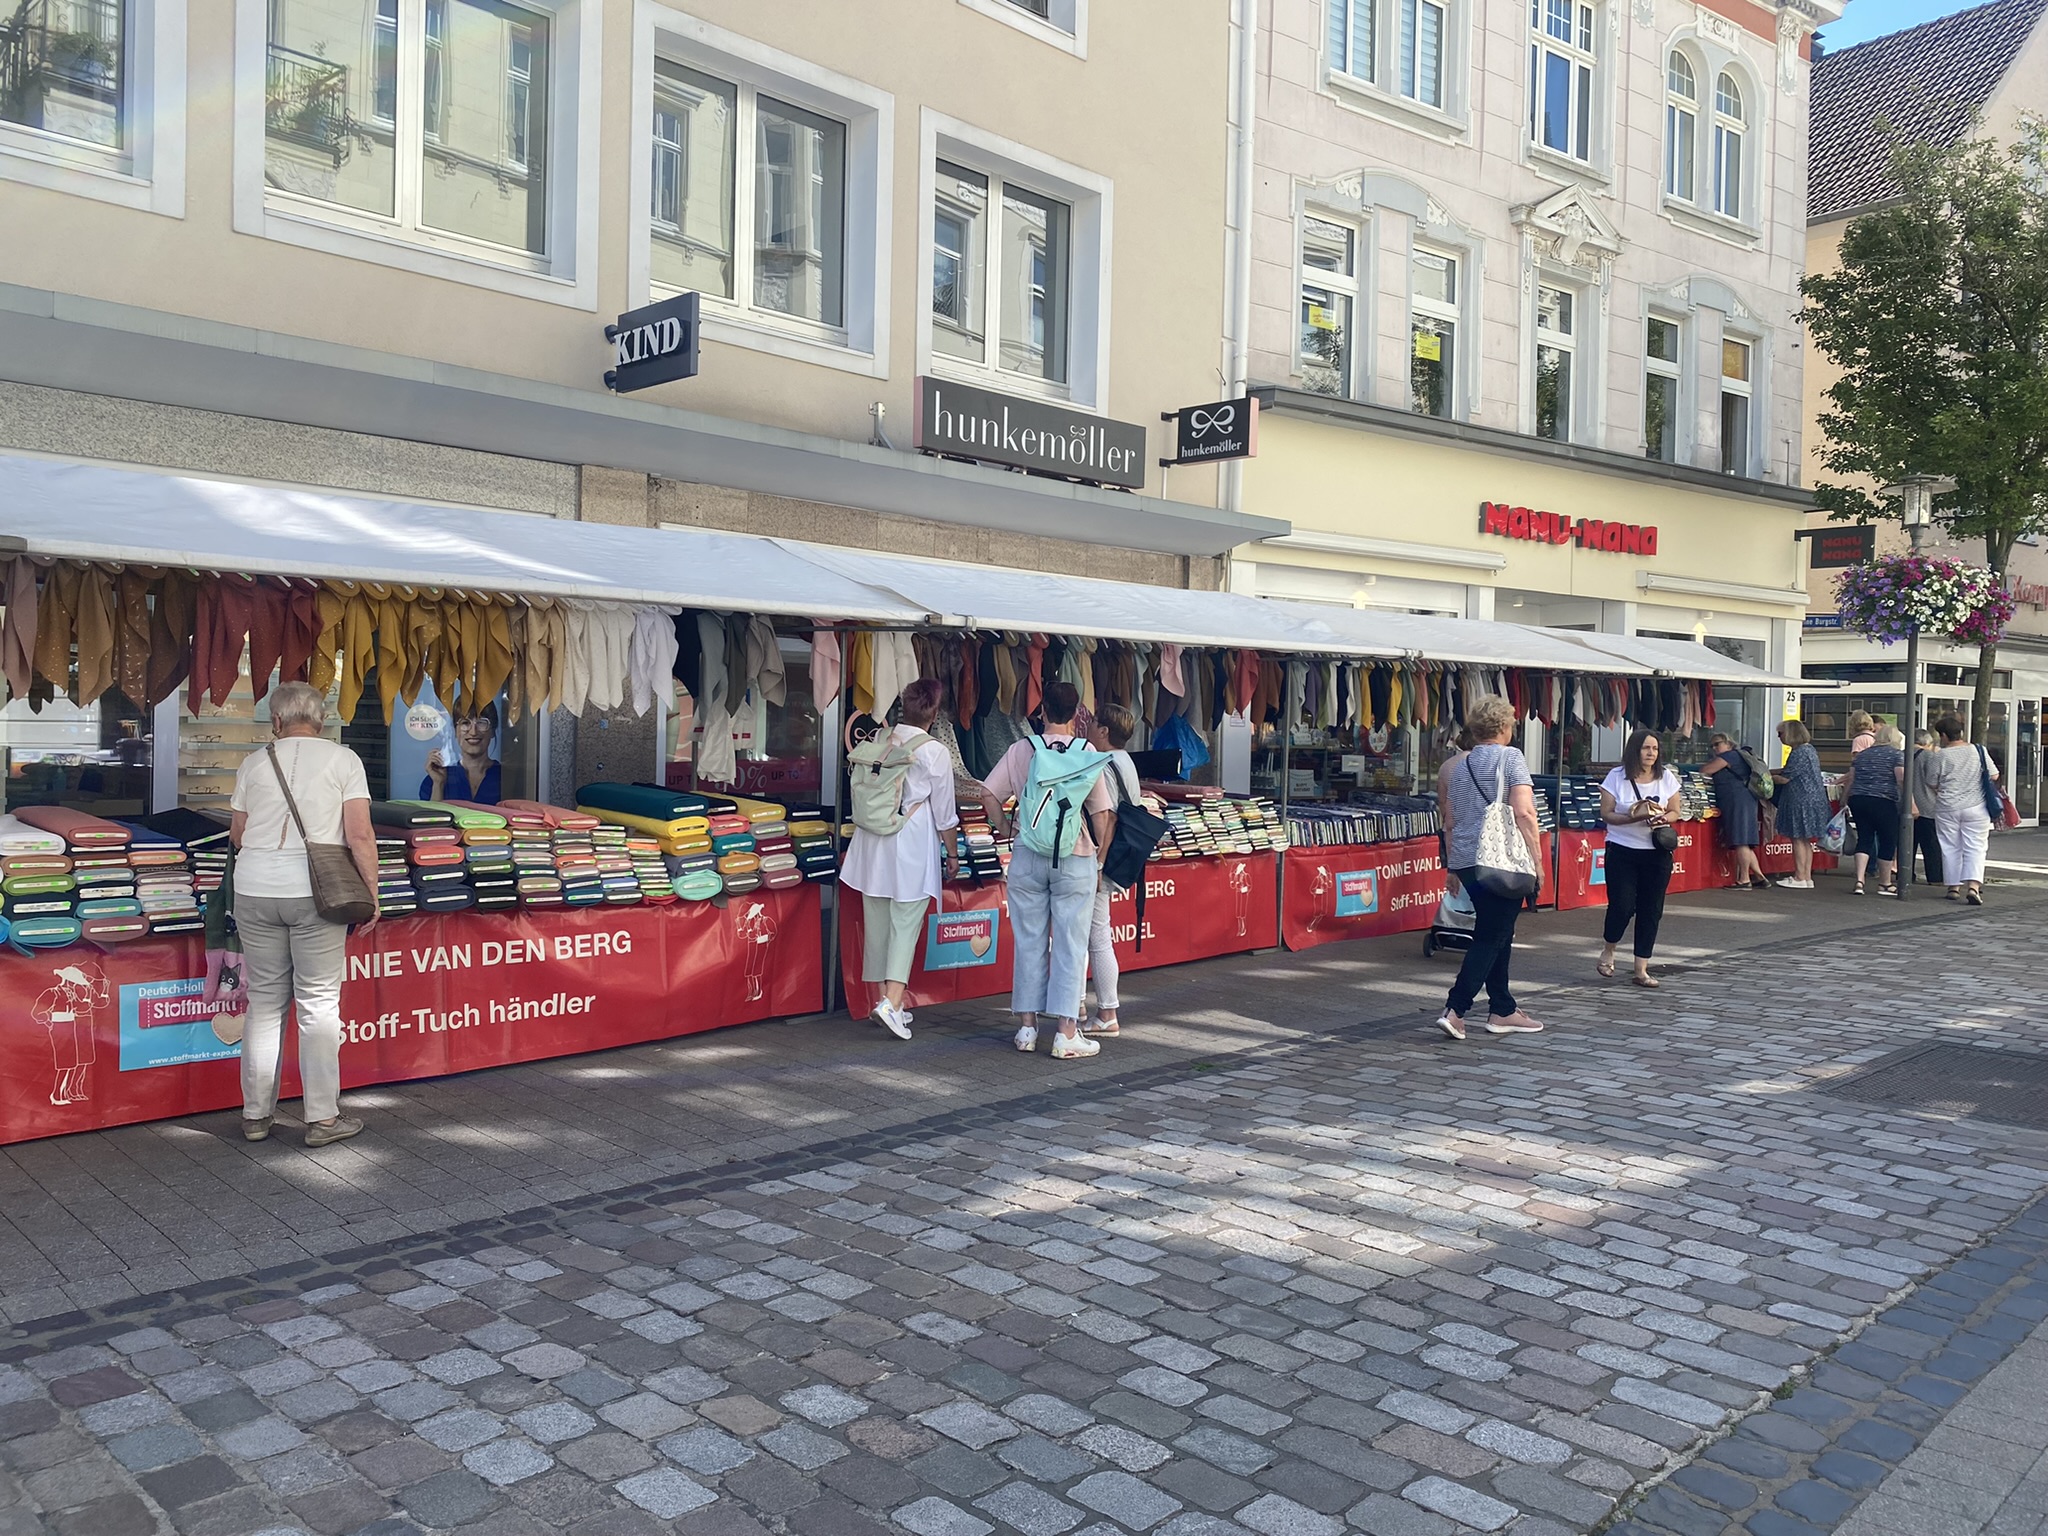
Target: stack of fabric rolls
810	840
433	855
35	877
204	838
163	881
97	894
674	825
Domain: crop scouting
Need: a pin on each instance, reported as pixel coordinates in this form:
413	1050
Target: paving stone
1233	1453
1134	1505
1030	1510
260	1438
1456	1502
969	1423
958	1471
159	1445
665	1493
1273	1515
935	1517
646	1414
460	1428
507	1461
1384	1515
1133	1452
1049	1462
801	1447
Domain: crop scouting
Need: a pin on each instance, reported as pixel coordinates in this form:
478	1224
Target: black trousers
1928	846
1493	945
1877	826
1637	879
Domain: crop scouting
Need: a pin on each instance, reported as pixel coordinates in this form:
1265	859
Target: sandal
1646	981
1605	967
1859	887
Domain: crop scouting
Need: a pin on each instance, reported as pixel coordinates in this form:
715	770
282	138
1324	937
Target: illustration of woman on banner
67	1011
1241	892
757	932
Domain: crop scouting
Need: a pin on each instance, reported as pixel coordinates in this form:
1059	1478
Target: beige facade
1544	258
444	189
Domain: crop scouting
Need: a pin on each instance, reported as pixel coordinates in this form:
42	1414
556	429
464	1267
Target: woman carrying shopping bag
1491	808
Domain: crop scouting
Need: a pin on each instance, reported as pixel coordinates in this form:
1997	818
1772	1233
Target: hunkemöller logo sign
970	423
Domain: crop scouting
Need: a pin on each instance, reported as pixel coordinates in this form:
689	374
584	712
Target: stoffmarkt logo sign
979	424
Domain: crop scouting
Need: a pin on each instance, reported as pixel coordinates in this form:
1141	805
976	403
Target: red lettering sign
1503	520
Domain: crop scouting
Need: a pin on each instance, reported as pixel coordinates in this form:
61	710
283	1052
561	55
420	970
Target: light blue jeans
1050	912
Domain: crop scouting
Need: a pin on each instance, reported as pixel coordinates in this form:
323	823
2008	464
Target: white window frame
1585	52
1673	370
1091	198
1377	84
1457	314
566	275
1700	213
1675	106
148	172
1567	342
1745	464
860	343
1353	286
1065	26
1729	129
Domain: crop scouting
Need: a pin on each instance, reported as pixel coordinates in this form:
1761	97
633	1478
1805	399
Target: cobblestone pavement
92	1220
1357	1279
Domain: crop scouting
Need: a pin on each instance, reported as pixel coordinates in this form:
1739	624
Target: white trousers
1102	964
291	952
1964	835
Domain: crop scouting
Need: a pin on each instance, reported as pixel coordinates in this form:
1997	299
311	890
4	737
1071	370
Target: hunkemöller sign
971	423
1504	521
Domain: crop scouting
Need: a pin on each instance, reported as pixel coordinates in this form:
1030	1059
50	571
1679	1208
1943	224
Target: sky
1864	19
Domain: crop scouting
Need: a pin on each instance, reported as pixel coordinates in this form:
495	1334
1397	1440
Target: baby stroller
1451	928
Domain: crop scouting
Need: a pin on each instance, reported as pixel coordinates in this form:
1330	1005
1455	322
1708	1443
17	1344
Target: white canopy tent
1481	642
995	597
96	512
1680	658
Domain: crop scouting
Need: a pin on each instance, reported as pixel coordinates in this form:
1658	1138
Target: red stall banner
113	1036
1775	855
1195	909
1582	868
1361	892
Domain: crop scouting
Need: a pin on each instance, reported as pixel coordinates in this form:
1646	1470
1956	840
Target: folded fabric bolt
34	864
17	836
773	861
436	854
45	932
433	837
739	885
699	885
738	864
454	898
114	907
650	801
473	817
781	879
732	843
408	813
486	837
810	829
552	816
58	905
38	885
79	829
113	930
757	810
671	827
436	878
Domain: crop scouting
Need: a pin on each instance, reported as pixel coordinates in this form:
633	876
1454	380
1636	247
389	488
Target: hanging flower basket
1888	599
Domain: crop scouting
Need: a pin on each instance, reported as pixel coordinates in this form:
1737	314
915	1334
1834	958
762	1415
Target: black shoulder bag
1138	831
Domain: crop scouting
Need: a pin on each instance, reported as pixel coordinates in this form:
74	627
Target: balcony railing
58	48
305	102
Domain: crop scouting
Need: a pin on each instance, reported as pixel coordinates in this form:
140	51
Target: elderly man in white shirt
898	876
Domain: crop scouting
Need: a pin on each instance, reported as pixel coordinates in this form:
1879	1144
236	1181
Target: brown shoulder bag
339	894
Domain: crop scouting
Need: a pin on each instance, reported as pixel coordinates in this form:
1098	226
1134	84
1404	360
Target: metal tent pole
1288	708
833	979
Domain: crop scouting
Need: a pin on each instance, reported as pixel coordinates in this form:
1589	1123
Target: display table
1361	892
425	996
1195	909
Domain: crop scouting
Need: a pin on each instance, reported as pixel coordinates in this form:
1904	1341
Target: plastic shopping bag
1836	837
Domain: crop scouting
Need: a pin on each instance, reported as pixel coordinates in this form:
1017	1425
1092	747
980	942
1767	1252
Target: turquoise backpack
1050	812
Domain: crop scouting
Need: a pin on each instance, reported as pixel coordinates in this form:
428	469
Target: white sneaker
1027	1037
1795	885
1069	1047
894	1020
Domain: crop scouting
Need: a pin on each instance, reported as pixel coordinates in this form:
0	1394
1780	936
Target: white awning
1481	642
1682	658
98	512
1002	598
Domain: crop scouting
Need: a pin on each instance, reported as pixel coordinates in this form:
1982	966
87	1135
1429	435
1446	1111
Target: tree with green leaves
1938	319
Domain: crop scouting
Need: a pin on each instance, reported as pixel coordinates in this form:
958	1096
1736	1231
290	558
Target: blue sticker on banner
1599	874
954	941
167	1024
1358	892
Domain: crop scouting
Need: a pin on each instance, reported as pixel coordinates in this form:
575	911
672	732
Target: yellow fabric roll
739	864
681	827
757	810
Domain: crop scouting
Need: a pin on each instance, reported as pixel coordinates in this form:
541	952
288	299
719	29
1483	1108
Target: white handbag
1505	867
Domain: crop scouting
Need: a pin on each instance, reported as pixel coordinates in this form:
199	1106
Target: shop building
1978	74
1523	286
372	247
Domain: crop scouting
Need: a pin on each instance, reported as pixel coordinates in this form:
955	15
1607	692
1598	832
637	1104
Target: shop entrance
2026	764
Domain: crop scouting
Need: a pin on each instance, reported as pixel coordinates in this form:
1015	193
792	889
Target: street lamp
1918	493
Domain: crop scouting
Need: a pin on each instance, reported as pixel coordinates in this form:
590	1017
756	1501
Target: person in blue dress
1802	802
1738	807
474	775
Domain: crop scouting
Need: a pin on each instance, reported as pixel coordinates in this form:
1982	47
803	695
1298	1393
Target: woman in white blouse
898	875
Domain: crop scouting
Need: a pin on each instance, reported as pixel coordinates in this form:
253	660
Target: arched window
1728	131
1681	127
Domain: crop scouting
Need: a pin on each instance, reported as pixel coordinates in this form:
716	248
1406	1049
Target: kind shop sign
126	1034
1363	892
